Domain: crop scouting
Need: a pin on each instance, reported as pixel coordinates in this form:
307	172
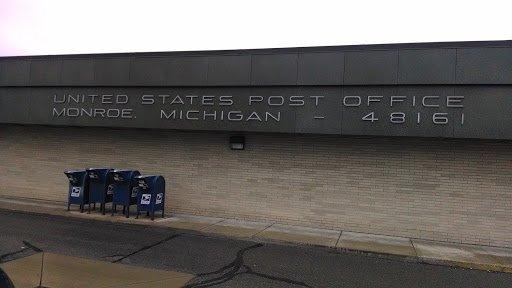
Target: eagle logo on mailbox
75	191
110	189
145	199
159	198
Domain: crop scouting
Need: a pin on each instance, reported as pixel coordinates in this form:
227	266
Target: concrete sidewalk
452	254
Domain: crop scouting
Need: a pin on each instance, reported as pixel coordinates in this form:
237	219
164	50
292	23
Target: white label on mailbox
110	189
159	197
75	191
146	198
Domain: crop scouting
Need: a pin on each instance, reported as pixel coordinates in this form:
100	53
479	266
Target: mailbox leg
89	208
153	215
102	208
94	207
113	208
81	208
68	206
127	209
163	205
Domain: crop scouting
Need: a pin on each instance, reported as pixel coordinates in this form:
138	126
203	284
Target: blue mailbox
150	194
78	188
99	191
124	189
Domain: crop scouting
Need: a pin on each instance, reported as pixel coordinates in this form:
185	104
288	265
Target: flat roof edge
417	45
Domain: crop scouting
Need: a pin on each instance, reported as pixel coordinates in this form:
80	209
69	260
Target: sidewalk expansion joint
338	241
414	248
212	224
271	224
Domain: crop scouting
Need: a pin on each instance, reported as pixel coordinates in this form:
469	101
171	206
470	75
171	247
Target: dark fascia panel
14	72
427	66
484	66
113	71
379	67
45	72
274	69
148	71
186	71
79	72
321	68
229	70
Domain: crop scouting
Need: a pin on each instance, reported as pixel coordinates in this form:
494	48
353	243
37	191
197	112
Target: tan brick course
439	189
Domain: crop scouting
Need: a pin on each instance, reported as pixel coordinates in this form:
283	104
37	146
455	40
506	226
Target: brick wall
440	189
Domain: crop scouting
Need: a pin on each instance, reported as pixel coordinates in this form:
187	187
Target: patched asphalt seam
36	249
147	247
275	278
6	255
28	246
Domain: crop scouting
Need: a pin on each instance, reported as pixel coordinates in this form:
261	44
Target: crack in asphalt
237	267
229	271
145	248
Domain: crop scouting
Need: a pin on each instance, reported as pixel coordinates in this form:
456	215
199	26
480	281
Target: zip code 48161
438	118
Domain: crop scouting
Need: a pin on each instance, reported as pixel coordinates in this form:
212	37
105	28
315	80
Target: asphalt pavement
218	261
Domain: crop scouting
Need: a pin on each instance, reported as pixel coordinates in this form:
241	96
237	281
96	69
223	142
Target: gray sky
35	27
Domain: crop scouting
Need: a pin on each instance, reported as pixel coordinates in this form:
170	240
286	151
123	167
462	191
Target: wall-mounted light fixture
237	142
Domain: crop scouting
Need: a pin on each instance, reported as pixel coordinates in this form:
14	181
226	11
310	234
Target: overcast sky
38	27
